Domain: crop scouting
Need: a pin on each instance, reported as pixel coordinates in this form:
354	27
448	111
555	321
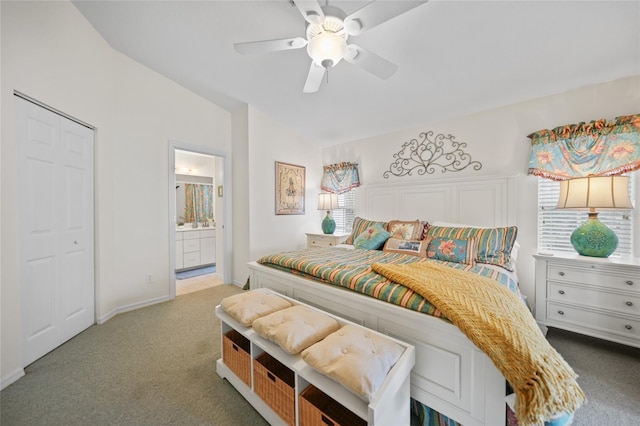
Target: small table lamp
594	238
328	202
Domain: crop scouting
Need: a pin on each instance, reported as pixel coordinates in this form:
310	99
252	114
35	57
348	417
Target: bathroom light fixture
594	238
328	202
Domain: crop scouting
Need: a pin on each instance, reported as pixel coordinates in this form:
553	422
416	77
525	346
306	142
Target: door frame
222	228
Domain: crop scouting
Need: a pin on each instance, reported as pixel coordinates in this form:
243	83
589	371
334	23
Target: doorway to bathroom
197	206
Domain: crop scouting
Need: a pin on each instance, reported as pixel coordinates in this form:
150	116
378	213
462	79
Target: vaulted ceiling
453	57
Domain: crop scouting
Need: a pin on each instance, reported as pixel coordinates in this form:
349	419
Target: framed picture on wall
290	187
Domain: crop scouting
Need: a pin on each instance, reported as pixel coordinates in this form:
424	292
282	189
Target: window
346	213
555	226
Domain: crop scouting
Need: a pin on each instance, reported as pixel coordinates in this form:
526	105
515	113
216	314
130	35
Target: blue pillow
452	250
372	238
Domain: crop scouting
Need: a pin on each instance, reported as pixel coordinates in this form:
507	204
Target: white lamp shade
327	201
595	192
327	49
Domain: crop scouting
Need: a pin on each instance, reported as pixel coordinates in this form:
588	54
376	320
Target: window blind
346	213
555	225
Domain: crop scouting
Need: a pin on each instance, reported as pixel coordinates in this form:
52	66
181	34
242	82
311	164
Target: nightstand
599	297
325	240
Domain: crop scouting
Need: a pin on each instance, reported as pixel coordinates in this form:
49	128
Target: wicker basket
236	355
274	383
319	409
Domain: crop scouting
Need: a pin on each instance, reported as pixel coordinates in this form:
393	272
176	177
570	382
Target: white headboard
481	201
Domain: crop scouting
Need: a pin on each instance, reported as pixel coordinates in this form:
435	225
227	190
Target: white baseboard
131	307
11	378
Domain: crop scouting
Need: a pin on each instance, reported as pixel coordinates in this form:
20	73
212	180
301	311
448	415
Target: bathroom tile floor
202	282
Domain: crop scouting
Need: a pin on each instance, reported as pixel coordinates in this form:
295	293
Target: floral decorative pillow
372	238
359	225
405	230
412	247
452	250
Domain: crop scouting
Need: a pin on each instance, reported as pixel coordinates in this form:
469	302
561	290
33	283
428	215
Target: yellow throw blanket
499	324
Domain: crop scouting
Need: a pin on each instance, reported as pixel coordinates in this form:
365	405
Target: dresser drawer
627	304
593	276
191	245
190	235
594	320
320	242
191	259
324	240
208	233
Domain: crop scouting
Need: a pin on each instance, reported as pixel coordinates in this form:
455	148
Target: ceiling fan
327	30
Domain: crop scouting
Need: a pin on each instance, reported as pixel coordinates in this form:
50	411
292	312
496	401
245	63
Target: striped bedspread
352	269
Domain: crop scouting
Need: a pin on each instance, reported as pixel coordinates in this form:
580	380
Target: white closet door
56	224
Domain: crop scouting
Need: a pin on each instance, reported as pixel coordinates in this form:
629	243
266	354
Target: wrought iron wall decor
430	154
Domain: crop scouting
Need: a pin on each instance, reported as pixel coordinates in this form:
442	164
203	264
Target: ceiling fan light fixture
327	49
314	18
353	26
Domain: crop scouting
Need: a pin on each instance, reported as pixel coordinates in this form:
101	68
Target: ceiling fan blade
266	46
314	78
375	13
370	62
311	11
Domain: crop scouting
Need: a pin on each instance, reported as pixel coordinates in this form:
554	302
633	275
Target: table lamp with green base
594	238
328	202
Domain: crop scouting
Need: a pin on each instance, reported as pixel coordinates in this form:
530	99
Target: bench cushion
295	328
354	357
247	307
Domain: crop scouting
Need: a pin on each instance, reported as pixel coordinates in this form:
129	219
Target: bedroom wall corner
240	203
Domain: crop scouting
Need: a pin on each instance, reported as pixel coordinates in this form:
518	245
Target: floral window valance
596	148
341	177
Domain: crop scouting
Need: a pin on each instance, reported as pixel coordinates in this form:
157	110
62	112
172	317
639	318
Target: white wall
51	53
498	139
240	194
268	142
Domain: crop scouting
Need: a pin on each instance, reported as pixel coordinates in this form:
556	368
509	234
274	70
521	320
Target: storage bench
284	389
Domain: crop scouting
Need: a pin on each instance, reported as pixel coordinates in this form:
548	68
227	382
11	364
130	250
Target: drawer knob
561	274
628	327
561	312
629	303
561	291
629	282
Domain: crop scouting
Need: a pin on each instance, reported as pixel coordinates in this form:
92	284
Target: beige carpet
152	366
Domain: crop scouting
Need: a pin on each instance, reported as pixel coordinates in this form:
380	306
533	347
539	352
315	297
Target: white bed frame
451	375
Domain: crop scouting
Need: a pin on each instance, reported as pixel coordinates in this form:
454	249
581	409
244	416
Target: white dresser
593	296
195	248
